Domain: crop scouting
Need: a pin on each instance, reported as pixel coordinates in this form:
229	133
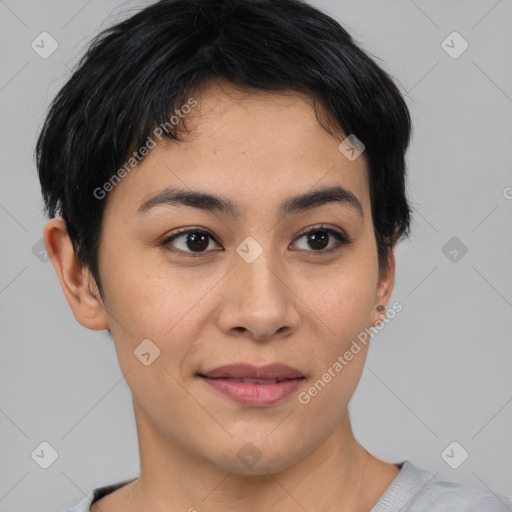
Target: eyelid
189	229
323	227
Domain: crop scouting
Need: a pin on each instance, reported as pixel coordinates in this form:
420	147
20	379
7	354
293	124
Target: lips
254	386
246	373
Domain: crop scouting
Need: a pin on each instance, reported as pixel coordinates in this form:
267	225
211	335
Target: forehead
252	146
246	118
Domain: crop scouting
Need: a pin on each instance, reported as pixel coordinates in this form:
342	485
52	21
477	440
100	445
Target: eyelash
340	237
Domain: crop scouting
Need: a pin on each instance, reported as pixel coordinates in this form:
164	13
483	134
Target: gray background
439	372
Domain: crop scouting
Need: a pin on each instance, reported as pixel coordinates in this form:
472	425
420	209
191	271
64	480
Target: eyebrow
206	201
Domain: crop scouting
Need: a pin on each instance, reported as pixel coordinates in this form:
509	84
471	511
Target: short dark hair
137	72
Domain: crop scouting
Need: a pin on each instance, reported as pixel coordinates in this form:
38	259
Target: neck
171	475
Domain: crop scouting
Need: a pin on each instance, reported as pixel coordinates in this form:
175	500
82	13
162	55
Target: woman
230	183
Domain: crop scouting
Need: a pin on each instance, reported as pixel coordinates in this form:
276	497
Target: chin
261	456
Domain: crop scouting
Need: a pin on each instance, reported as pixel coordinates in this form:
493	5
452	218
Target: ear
76	282
385	285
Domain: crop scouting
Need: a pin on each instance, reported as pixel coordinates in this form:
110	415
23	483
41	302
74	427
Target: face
257	283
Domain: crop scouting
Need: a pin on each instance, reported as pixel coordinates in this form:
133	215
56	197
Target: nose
259	300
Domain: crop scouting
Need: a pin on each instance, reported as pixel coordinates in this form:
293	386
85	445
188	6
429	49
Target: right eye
189	241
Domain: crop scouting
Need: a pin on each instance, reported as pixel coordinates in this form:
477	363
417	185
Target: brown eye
318	239
190	241
197	241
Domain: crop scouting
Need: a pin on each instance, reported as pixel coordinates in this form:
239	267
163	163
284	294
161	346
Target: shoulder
416	490
97	494
83	506
448	496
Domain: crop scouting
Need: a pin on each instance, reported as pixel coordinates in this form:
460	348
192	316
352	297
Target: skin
292	304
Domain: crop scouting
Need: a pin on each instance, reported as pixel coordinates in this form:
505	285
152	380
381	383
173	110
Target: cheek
342	301
341	306
342	314
150	299
171	308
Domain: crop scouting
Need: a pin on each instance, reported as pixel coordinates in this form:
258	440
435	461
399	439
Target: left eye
318	239
195	241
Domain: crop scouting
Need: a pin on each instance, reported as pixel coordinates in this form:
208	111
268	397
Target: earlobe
75	280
